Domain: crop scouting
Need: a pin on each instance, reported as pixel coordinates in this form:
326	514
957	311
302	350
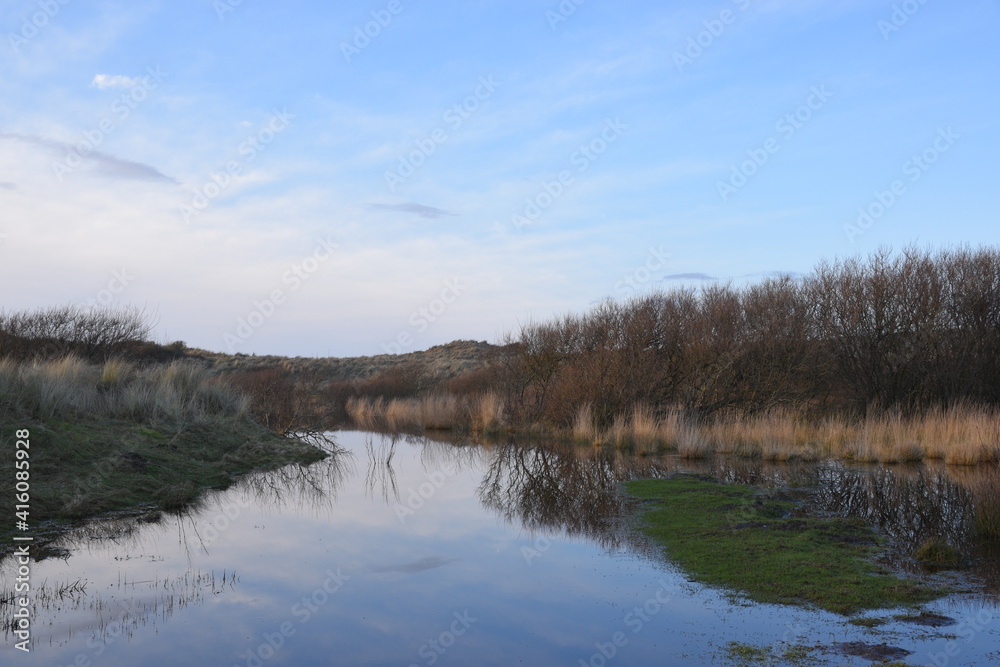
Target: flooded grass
739	538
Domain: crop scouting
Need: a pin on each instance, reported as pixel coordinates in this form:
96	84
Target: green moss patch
745	540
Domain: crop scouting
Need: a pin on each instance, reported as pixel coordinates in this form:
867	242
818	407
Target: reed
584	430
486	412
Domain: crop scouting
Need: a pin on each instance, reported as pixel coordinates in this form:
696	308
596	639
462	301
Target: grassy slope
82	467
733	536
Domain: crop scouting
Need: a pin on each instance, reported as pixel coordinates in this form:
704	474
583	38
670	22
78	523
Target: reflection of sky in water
547	596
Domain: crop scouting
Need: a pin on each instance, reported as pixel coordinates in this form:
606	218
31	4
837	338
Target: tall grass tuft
583	425
486	412
70	387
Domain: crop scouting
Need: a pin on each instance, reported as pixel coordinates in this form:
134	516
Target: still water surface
409	551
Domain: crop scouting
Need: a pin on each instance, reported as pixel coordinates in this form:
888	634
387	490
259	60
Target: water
406	551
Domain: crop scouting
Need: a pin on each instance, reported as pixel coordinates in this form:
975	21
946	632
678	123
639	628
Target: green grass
84	467
742	539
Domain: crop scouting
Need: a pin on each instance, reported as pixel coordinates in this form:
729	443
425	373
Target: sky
309	178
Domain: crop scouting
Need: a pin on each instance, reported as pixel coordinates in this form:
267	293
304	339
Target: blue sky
311	178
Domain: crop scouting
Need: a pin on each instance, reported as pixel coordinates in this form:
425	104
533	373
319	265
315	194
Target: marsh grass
113	435
73	388
739	538
963	435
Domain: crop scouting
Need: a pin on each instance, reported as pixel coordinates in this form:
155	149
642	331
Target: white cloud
105	81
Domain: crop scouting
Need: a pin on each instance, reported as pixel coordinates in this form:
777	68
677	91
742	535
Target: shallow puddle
407	551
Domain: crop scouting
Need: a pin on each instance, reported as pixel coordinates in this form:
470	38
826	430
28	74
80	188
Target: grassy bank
113	436
741	539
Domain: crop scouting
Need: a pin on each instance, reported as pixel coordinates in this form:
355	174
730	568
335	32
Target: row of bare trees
903	331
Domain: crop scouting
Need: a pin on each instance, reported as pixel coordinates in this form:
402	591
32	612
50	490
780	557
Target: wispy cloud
421	210
4	185
105	81
99	161
689	276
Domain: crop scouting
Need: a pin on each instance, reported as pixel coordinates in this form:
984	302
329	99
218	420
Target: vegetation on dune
742	539
115	433
890	359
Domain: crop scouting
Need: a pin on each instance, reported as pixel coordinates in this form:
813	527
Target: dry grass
960	436
692	443
431	412
70	387
486	412
584	430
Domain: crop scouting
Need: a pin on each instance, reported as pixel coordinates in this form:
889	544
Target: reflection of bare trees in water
298	486
908	504
554	487
380	470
